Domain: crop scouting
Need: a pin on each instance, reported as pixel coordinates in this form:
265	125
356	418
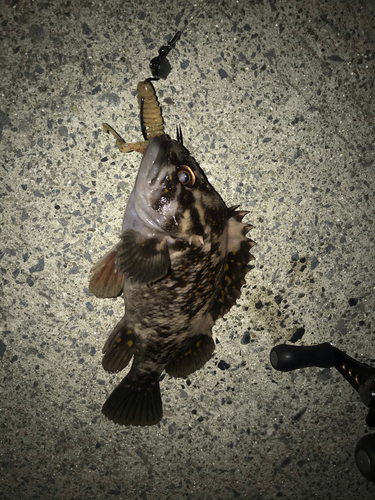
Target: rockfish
180	264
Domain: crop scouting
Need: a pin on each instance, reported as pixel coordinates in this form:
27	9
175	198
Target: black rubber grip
286	358
365	456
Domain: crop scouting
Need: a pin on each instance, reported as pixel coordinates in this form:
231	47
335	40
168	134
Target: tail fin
133	404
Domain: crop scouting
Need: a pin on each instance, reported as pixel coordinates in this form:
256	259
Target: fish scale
180	264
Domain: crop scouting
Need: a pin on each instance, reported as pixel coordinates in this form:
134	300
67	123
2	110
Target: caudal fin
132	404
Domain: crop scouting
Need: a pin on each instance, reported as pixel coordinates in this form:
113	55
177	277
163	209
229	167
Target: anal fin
119	348
192	356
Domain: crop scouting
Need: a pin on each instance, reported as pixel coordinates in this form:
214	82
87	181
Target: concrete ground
276	102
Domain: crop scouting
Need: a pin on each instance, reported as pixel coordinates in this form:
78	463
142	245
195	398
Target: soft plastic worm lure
150	110
151	119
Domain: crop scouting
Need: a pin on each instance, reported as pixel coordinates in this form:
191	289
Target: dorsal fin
195	352
236	267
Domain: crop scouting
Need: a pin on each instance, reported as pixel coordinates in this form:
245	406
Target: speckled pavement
276	102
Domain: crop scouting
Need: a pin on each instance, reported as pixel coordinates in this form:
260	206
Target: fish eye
186	176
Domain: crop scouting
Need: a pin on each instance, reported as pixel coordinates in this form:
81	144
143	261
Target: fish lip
156	156
158	153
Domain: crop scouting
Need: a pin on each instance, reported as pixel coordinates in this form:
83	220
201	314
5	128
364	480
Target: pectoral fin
106	281
143	259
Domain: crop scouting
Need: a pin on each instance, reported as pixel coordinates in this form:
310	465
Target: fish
180	264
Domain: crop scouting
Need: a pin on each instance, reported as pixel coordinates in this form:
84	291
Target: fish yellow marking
130	343
188	352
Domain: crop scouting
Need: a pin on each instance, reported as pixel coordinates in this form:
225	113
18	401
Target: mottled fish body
180	263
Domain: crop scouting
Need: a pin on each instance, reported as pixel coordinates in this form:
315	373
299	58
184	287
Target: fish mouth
158	162
157	156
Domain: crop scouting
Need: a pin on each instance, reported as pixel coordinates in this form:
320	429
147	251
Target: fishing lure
151	119
150	110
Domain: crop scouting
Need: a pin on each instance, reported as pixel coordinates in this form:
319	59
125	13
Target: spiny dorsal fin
236	267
